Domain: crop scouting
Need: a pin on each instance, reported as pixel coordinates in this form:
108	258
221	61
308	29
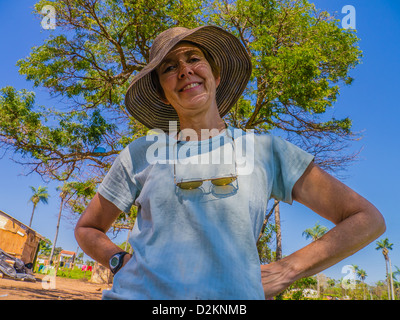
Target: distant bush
75	273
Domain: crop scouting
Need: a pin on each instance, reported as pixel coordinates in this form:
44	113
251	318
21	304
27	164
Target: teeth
191	86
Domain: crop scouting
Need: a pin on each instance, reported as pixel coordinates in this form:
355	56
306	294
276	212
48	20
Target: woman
197	225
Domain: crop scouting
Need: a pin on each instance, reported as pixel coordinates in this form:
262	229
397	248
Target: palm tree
395	274
39	195
385	246
65	190
362	275
356	268
315	233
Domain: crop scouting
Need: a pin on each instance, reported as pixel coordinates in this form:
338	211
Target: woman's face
187	80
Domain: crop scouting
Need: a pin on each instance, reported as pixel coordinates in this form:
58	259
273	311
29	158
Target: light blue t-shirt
200	243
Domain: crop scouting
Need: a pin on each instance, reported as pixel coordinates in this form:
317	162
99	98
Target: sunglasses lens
223	181
190	184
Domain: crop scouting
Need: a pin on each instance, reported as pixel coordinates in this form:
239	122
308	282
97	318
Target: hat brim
143	102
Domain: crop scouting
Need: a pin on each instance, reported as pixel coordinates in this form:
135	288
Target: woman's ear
217	81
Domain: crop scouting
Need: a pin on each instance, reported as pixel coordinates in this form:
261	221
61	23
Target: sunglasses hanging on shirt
217	181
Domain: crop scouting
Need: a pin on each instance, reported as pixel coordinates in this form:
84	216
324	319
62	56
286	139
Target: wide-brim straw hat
142	100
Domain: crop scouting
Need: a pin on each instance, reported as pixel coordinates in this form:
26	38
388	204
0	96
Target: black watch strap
116	261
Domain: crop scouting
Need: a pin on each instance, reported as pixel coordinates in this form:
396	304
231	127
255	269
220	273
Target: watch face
114	262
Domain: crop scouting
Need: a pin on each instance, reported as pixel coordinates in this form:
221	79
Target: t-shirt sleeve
289	164
119	185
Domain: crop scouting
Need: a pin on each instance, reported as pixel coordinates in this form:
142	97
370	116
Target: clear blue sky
371	102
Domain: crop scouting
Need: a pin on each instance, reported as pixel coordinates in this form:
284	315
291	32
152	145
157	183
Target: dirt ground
62	289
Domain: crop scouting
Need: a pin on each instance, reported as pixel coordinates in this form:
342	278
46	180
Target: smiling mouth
190	86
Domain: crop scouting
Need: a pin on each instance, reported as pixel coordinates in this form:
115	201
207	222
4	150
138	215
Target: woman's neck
201	127
201	130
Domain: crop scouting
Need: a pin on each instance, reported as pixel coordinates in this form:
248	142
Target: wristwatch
116	261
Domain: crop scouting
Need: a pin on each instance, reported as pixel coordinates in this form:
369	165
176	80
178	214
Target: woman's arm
357	223
90	231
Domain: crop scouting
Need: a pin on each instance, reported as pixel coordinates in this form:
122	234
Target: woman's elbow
376	222
78	232
368	221
380	224
81	230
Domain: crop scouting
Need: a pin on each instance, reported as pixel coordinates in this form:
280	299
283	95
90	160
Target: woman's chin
196	102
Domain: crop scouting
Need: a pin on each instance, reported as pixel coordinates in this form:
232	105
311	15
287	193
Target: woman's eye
169	68
194	59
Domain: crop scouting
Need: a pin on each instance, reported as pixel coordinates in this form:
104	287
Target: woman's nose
185	70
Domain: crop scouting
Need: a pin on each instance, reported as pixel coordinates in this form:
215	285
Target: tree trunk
387	278
391	277
266	220
58	226
33	211
278	232
364	286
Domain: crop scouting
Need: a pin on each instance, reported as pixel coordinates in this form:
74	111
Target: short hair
214	68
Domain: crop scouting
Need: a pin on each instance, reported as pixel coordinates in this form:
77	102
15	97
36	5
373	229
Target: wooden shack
17	239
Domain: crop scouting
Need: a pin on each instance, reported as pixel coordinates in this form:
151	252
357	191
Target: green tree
362	274
264	245
315	233
380	290
301	58
79	194
385	246
297	289
57	251
278	232
39	195
265	238
395	282
65	190
396	273
79	258
44	247
100	45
